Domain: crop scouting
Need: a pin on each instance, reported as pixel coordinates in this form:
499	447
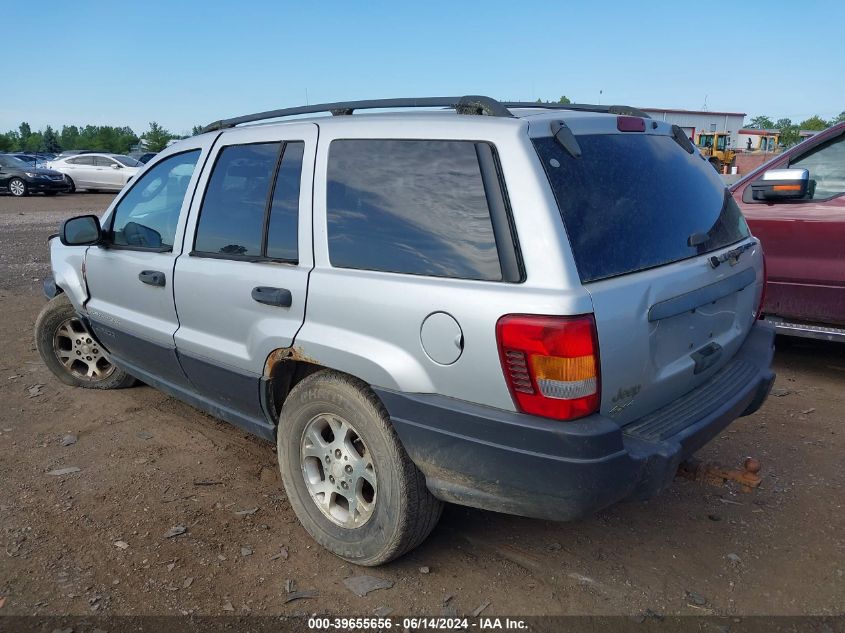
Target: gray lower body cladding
525	465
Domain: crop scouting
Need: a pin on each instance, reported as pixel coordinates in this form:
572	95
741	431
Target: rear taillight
551	364
759	314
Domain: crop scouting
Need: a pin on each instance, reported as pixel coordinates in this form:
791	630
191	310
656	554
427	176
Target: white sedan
106	172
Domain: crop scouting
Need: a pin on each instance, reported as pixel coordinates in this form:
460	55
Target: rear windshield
636	201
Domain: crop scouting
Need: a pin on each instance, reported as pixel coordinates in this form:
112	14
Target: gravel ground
95	540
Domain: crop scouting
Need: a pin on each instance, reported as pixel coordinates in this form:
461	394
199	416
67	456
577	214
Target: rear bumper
521	464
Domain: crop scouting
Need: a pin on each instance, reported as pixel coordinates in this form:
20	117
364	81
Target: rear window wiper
566	139
732	255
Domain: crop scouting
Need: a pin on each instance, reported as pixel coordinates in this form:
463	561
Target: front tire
347	476
18	187
71	353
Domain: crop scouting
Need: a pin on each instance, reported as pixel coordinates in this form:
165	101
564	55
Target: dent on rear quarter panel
66	263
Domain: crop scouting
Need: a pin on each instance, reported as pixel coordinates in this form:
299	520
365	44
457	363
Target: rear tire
347	476
72	185
71	353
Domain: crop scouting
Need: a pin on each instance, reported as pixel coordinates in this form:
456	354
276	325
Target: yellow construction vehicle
715	146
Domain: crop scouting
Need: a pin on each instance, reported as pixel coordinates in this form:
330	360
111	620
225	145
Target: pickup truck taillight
551	364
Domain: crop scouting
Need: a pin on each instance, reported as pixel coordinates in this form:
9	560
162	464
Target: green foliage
814	123
156	137
789	131
103	138
49	141
197	129
761	122
564	100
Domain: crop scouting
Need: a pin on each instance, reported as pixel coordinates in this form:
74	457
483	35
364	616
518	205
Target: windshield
636	201
126	160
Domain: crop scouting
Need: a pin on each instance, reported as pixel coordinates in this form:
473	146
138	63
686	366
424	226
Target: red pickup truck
795	205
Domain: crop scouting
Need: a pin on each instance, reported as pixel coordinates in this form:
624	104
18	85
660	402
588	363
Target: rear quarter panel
368	323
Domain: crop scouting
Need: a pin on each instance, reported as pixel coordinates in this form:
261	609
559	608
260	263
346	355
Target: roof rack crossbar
583	107
471	104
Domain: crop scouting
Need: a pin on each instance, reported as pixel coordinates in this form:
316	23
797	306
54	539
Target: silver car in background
97	172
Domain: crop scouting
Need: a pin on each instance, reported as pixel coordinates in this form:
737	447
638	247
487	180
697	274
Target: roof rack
471	104
582	107
468	104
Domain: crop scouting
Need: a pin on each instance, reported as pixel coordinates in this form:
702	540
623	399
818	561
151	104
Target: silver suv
532	309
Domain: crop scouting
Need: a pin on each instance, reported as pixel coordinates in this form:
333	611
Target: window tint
232	216
147	215
103	161
82	160
284	214
126	160
410	206
826	165
634	201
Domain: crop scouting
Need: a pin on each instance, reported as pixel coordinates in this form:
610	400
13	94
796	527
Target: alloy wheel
339	471
17	187
81	355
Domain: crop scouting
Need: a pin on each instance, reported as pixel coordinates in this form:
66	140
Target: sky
184	62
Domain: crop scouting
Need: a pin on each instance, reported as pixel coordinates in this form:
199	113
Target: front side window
81	160
147	215
410	206
231	219
826	165
103	161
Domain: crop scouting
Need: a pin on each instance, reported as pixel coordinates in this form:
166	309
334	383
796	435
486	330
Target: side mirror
83	230
782	184
115	166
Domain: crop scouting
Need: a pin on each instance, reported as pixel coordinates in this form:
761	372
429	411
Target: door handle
152	277
279	297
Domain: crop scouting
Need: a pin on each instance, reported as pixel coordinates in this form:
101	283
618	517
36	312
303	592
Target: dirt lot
94	541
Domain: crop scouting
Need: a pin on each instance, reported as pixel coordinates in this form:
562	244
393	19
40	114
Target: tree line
103	138
789	131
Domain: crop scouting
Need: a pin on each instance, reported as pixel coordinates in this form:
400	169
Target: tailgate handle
706	357
701	296
279	297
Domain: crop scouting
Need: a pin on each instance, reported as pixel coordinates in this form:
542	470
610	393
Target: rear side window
82	160
637	201
251	204
232	216
282	231
410	206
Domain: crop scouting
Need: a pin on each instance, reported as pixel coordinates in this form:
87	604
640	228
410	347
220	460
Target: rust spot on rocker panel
284	354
